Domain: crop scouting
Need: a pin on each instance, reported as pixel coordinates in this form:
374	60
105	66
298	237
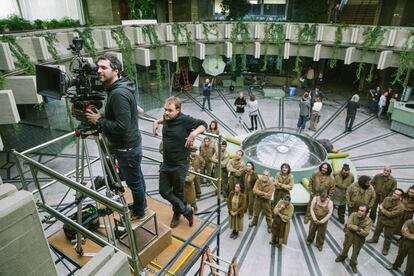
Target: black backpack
90	220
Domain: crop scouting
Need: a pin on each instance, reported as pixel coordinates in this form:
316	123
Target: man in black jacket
178	134
206	94
351	110
120	126
240	103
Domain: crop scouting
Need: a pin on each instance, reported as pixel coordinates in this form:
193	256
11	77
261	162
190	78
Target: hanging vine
150	33
88	42
406	62
372	37
212	29
274	34
51	41
124	45
306	33
335	47
239	30
181	30
1	81
22	59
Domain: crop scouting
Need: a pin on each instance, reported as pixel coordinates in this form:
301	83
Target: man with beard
343	180
235	167
197	162
357	229
207	151
263	189
320	180
225	157
384	183
283	183
178	134
390	212
360	193
406	248
321	211
408	203
120	126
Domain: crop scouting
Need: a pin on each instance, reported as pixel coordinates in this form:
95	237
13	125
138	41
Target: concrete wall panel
8	108
24	89
6	58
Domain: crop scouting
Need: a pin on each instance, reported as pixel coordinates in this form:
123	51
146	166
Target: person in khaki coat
236	204
263	189
357	229
406	248
408	203
235	167
225	157
390	212
384	183
321	211
320	180
197	162
207	151
282	213
247	180
343	179
283	183
189	190
360	193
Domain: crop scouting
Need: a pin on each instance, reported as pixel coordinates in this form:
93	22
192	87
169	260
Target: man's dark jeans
302	122
130	167
171	185
206	98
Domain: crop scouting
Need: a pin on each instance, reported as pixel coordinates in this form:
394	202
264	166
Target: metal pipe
67	174
203	175
72	184
48	143
89	234
21	173
152	158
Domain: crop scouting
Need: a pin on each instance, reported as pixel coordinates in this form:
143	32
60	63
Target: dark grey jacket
304	107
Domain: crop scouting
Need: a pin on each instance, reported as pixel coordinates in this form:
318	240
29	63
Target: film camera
81	84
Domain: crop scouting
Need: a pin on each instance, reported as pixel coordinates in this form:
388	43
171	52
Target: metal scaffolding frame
121	208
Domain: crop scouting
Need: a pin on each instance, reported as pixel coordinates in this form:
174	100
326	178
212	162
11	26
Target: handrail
72	184
48	143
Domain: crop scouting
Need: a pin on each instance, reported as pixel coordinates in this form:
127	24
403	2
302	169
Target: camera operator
120	126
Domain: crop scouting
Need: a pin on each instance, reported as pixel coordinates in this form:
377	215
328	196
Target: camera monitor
50	81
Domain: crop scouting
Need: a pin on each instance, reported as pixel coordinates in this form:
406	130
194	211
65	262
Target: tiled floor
252	251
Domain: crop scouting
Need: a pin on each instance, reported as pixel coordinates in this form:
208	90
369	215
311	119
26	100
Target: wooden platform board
164	213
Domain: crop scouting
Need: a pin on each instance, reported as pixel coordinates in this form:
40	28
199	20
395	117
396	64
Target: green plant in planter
124	45
88	42
274	34
16	23
39	106
212	28
406	62
240	29
372	37
151	34
181	30
51	44
335	47
305	33
1	81
23	60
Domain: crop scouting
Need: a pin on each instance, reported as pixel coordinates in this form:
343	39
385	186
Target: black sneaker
189	215
175	220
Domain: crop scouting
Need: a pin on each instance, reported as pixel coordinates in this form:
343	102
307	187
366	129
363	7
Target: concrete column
200	50
143	57
1	148
171	52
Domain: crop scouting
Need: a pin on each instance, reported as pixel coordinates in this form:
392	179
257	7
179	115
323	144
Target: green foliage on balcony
51	41
180	30
88	42
125	47
406	62
337	42
150	33
15	23
239	30
274	34
305	33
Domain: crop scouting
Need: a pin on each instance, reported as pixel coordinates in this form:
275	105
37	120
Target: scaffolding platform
176	237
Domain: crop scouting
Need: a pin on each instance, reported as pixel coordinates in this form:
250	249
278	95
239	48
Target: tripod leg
79	178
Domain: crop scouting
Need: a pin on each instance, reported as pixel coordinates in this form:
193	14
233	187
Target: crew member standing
206	94
357	229
321	211
282	213
343	180
240	103
283	183
178	134
263	189
197	162
360	193
120	126
384	183
406	248
235	167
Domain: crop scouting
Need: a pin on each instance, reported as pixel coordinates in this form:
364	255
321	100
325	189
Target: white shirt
382	101
317	106
252	107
